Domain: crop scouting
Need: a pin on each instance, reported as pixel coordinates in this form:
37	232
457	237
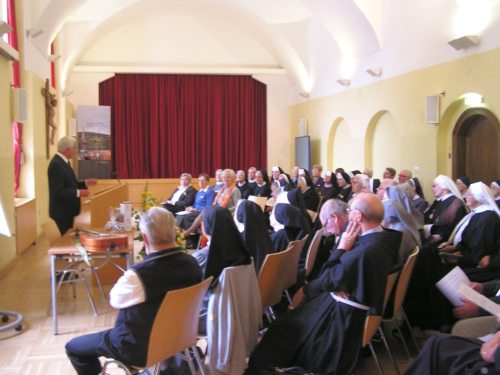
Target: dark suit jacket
63	184
186	199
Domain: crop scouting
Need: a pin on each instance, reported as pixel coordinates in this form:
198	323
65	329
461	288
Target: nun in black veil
252	224
225	246
289	225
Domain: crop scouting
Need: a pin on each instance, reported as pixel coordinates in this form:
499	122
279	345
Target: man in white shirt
183	196
138	294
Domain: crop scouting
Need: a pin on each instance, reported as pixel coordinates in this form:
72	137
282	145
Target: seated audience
417	195
275	173
475	236
316	178
204	198
218	181
385	184
389	173
242	184
360	184
309	194
183	196
463	184
404	176
344	182
225	248
323	333
138	294
227	197
294	174
262	188
252	224
330	188
446	211
495	188
398	217
457	355
251	178
288	223
374	182
476	322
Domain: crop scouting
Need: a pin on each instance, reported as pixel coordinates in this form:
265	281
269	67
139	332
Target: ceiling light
464	42
344	82
374	72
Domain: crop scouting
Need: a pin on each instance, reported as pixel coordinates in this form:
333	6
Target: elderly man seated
138	295
204	198
183	196
323	333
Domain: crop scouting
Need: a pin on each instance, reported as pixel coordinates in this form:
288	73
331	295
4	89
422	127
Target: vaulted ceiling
314	43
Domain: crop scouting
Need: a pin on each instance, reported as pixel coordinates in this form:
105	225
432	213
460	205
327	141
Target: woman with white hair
446	211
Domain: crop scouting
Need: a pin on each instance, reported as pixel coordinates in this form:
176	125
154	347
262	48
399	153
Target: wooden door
475	146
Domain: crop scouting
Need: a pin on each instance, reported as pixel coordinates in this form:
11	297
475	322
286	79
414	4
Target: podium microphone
115	176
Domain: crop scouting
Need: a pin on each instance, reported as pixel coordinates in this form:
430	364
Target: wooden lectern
102	201
100	205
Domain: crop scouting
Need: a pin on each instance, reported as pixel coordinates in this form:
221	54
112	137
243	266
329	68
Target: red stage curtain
164	125
17	128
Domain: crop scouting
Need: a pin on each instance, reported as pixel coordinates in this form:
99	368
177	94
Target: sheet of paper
450	283
182	213
483	302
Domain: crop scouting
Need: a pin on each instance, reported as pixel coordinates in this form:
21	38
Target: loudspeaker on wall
432	109
19	105
302	127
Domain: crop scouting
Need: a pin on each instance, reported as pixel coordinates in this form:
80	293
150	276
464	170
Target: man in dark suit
183	196
64	188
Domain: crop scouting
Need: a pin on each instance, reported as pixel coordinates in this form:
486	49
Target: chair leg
415	342
189	360
382	336
98	279
287	294
198	360
270	314
375	358
88	292
403	341
117	363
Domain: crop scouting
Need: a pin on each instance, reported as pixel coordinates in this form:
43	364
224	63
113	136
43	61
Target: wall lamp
464	42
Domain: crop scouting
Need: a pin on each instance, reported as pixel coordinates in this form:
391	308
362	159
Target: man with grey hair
360	184
330	311
334	215
64	188
138	295
183	196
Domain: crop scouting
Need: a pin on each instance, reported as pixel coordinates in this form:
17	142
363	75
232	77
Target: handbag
295	370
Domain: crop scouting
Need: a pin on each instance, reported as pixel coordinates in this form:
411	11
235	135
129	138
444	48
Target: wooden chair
399	296
71	272
312	252
270	284
175	329
291	264
372	325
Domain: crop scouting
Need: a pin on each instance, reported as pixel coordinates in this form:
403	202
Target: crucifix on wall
50	115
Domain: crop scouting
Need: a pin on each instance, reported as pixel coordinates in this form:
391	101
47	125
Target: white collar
376	229
63	157
444	197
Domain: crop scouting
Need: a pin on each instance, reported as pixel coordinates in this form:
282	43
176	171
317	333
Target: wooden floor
35	350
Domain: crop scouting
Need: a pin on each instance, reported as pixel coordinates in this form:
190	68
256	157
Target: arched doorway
476	138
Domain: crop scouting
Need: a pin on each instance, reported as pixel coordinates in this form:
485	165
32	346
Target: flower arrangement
148	201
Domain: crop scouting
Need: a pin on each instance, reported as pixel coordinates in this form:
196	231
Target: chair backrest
320	201
372	322
291	262
402	283
313	215
270	276
261	201
51	231
313	251
176	323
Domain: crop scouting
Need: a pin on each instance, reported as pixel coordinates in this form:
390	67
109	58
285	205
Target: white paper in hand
478	299
450	283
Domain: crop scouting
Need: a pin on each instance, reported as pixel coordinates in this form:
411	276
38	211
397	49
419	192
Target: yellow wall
388	116
7	244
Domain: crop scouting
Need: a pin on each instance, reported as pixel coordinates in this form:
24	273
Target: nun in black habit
289	225
262	188
252	224
225	246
